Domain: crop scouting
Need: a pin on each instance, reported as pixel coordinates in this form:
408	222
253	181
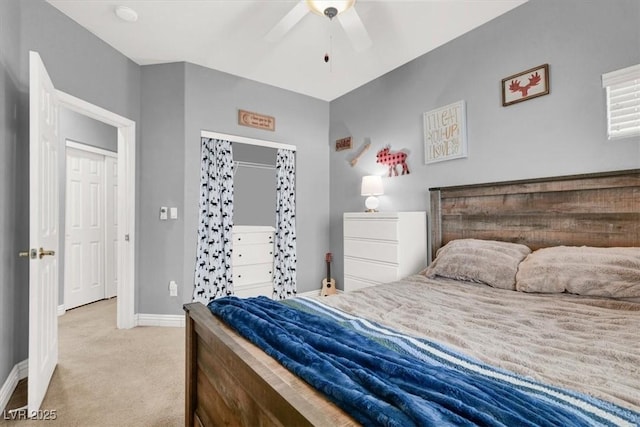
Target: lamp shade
371	186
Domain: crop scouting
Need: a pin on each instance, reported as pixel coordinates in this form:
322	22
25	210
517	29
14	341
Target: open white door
43	231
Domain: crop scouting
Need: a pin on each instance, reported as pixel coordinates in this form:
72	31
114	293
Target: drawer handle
270	252
269	272
239	255
239	238
239	276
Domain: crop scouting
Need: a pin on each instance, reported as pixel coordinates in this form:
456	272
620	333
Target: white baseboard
19	371
170	320
178	321
61	310
314	293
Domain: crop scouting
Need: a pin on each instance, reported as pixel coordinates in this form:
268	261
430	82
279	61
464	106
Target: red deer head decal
392	159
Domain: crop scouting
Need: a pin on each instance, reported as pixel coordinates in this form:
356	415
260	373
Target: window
623	102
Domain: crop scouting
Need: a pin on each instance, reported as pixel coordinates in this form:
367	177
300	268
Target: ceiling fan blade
288	22
355	29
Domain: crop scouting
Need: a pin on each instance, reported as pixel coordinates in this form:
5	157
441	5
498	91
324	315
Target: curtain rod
245	140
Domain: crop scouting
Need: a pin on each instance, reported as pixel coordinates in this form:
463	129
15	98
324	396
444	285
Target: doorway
126	200
44	199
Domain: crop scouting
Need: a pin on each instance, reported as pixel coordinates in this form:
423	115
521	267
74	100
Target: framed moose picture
525	85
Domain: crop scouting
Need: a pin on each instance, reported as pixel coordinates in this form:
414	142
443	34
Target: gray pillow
583	270
491	262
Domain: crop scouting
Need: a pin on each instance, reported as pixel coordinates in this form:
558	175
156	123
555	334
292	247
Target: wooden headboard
598	209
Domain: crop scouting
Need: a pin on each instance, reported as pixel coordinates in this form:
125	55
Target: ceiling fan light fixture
319	7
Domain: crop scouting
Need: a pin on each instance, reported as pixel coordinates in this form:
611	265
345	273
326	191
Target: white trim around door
126	201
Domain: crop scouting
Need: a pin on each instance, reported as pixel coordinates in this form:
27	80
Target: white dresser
381	247
253	260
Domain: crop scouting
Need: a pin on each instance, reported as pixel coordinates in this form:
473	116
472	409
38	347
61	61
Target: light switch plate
173	213
163	213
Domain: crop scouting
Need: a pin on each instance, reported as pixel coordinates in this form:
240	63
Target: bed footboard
231	382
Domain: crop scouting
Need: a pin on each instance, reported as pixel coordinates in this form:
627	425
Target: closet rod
254	165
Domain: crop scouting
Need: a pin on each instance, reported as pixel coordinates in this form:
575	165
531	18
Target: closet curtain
285	260
213	276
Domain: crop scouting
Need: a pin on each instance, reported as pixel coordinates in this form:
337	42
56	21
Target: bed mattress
586	344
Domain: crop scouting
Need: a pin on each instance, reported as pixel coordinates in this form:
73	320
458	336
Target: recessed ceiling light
126	14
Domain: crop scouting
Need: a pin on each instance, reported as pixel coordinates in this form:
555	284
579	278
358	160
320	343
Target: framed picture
525	85
445	133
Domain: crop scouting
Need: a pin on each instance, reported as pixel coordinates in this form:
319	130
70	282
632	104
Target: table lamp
371	187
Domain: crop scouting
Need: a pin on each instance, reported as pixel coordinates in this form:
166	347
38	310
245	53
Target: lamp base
371	204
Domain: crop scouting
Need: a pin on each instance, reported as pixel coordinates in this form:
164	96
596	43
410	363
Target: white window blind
623	102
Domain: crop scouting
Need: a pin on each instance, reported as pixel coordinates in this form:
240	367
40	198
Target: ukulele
328	284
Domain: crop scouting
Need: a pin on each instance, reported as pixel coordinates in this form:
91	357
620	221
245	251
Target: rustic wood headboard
598	209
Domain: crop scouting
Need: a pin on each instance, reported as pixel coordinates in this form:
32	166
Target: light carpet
111	377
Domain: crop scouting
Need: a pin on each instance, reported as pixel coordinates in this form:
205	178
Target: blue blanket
382	377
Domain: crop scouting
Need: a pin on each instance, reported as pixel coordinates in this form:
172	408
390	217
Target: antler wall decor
533	81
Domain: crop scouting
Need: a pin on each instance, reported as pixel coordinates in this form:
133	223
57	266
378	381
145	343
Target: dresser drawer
252	238
251	274
252	254
373	250
353	284
380	229
265	289
377	272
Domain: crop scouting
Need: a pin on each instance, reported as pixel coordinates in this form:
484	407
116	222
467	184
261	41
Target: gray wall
10	303
179	101
212	101
162	184
558	134
79	64
77	128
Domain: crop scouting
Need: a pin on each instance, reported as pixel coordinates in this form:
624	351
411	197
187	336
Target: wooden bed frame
231	382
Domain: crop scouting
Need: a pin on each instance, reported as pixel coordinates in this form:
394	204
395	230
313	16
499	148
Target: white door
84	228
43	231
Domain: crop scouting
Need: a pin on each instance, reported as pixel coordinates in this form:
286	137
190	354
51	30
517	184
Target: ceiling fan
343	9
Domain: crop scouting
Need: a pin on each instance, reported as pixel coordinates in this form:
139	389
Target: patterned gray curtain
284	277
213	276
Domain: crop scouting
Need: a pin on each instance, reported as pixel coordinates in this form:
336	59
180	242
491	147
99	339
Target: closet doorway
91	227
254	182
247	201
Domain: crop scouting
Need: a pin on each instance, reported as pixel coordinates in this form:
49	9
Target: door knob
42	253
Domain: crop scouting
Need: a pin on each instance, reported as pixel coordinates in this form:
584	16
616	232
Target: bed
230	381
